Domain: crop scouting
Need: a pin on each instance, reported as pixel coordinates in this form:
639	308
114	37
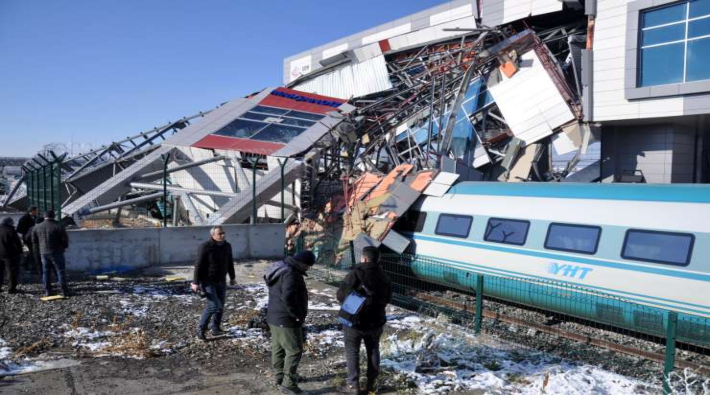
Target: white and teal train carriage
645	246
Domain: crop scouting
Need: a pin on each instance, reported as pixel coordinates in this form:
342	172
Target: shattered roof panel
280	122
530	101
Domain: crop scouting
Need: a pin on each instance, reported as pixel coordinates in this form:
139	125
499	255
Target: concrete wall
109	249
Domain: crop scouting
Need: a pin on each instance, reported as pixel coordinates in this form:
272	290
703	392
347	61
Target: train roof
685	193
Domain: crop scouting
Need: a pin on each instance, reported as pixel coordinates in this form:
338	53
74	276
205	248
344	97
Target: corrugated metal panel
530	102
350	81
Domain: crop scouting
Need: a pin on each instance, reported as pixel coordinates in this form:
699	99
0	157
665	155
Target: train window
412	221
583	239
658	247
454	225
507	231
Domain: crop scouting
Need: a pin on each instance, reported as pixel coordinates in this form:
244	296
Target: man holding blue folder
365	293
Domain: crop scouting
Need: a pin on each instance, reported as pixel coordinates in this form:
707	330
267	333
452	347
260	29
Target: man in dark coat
214	262
368	279
286	313
24	227
52	240
10	253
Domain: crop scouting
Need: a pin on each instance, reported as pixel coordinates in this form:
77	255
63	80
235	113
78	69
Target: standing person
52	240
24	227
368	279
286	313
214	262
10	253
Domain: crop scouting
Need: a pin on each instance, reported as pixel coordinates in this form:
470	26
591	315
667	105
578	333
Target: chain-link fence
44	184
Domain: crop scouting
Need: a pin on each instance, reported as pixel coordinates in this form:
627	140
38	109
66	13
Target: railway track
581	338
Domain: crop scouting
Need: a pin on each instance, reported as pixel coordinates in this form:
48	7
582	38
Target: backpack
353	305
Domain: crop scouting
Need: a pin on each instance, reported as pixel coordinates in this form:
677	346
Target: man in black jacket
10	253
287	310
24	227
52	240
214	262
368	279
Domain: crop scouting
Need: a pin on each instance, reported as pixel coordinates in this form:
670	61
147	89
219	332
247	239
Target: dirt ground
188	366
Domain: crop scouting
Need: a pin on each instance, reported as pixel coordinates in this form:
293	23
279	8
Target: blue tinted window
573	238
664	15
454	225
698	57
507	231
661	65
241	128
278	133
305	115
253	115
700	27
658	247
296	122
663	34
699	8
269	110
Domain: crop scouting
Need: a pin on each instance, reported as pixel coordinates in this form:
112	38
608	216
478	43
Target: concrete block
267	240
103	249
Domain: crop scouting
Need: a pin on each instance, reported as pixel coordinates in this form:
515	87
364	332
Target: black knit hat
305	257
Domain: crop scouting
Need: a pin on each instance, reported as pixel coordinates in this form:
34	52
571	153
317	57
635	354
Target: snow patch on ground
323	307
439	363
261	295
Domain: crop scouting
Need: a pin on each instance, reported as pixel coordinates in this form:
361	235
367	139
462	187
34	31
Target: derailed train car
620	254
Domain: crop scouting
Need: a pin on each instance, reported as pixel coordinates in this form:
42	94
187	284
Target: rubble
480	98
146	324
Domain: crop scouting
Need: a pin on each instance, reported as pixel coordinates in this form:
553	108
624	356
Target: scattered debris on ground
141	322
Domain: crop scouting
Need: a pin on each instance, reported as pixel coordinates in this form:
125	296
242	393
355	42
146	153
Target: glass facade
271	124
674	43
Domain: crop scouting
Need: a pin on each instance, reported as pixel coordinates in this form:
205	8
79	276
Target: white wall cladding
445	13
498	12
611	57
431	34
332	51
530	101
452	14
350	81
389	33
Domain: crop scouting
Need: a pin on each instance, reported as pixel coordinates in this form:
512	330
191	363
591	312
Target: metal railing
44	183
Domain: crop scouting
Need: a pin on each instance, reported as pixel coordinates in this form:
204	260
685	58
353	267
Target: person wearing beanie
10	253
286	313
370	280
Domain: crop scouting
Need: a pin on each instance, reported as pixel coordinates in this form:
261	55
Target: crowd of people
287	309
45	239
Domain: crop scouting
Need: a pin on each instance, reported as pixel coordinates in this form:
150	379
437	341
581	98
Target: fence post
58	180
253	162
352	253
166	159
283	188
45	207
479	303
671	324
